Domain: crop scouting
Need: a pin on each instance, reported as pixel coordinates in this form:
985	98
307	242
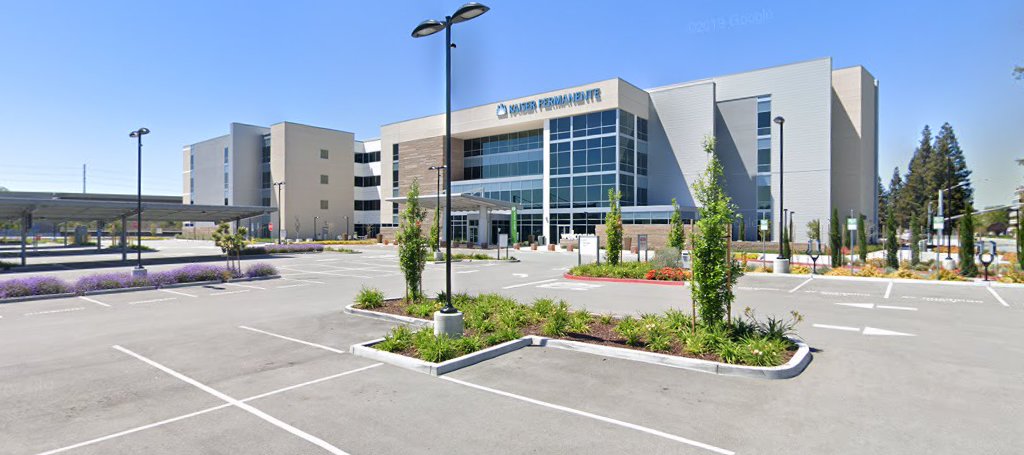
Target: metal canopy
461	202
42	208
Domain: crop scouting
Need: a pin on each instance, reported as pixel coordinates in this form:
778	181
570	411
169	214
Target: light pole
280	226
139	271
438	198
781	121
945	215
427	28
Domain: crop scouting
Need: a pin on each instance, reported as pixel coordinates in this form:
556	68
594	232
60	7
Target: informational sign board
686	260
502	240
589	245
641	242
763	225
851	224
937	223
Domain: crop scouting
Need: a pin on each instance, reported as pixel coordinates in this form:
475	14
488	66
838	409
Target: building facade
557	154
317	197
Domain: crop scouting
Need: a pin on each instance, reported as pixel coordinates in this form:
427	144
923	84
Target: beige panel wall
854	150
209	170
295	155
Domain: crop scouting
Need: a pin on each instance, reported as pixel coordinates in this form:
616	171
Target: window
191	161
323	179
266	202
368	181
764	192
560	197
324	154
626	185
626	121
368	157
641	158
323	204
764	116
560	128
626	149
265	182
504	143
560	157
225	180
266	149
225	155
593	124
592	190
394	214
225	201
394	152
593	155
641	129
372	204
764	154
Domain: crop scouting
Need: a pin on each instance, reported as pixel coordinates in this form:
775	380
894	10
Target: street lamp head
427	28
468	11
437	168
780	120
139	132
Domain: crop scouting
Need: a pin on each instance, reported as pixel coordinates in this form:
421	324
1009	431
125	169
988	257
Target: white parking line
153	300
589	415
888	289
837	327
530	284
893	307
238	404
303	272
307	343
1000	299
304	281
230	292
244	286
185	294
87	299
800	285
66	310
207	410
468	271
286	286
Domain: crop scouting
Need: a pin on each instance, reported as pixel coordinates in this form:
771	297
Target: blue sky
78	76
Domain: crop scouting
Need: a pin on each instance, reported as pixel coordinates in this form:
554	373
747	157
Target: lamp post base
450	324
780	266
949	264
139	272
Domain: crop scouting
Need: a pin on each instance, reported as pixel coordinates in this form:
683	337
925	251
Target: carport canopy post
124	238
26	220
99	234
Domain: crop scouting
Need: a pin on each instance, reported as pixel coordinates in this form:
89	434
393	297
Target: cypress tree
786	253
967	265
862	239
613	223
676	234
892	244
835	240
915	239
953	168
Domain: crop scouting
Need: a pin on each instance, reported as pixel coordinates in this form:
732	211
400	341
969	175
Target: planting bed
492	320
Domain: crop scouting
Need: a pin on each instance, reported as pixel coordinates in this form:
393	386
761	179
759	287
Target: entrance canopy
461	202
109	208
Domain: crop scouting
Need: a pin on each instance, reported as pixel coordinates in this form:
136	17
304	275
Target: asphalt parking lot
263	367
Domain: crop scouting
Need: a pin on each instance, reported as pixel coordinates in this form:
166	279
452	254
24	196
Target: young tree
862	239
835	240
435	230
915	240
412	247
786	253
230	244
967	265
892	243
676	234
814	229
1020	239
713	272
613	226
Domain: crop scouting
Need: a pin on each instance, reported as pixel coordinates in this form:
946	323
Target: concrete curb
29	298
367	350
894	280
794	367
408	320
623	280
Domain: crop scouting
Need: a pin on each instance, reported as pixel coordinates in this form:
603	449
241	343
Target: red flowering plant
668	274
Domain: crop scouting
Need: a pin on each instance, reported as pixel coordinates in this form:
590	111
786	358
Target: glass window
764	192
323	204
626	149
641	129
764	155
626	122
641	158
323	179
225	155
324	154
394	152
764	116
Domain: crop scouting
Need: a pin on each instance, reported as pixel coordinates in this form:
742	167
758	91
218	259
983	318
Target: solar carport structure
110	208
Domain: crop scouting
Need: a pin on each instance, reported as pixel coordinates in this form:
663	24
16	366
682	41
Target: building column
483	229
124	239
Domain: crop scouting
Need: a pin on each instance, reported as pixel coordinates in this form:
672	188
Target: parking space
263	367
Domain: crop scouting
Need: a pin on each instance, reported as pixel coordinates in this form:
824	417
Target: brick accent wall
414	161
657	234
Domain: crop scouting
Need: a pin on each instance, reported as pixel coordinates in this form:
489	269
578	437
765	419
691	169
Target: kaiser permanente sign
550	102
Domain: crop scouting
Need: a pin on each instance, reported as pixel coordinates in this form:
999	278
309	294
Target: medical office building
557	154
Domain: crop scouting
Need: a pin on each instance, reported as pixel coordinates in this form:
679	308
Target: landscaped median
31	288
631	272
496	325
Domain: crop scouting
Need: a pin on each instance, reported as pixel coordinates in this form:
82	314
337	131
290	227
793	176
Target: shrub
606	319
1012	276
502	335
667	257
399	339
435	348
631	330
774	327
631	270
800	270
341	250
579	322
658	334
38	285
678	321
668	274
104	281
423	309
762	351
839	271
369	298
731	352
947	275
558	322
904	273
871	271
6	265
543	307
260	269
